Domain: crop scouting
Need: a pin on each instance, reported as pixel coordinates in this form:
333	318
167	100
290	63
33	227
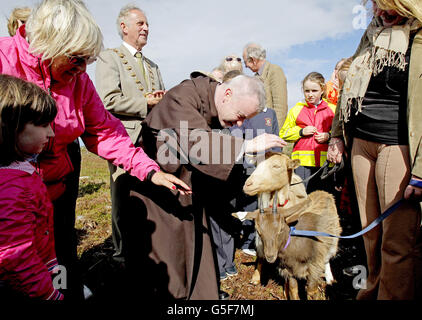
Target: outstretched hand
264	142
171	182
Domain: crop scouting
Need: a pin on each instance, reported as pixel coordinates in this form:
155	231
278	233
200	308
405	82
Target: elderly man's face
234	109
250	63
136	31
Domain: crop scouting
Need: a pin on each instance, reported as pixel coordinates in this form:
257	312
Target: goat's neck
268	197
265	198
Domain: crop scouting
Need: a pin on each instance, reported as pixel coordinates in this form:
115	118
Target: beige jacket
121	86
414	107
275	84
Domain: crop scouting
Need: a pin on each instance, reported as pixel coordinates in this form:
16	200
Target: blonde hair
17	17
63	27
405	8
21	102
317	78
342	71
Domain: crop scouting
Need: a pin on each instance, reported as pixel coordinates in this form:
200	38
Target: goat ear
293	164
293	213
241	215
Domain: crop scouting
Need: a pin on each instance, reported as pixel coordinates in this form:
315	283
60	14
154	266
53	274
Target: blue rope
378	220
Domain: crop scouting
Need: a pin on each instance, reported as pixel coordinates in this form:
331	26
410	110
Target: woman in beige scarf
380	110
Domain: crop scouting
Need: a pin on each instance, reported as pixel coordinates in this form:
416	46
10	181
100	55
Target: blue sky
185	35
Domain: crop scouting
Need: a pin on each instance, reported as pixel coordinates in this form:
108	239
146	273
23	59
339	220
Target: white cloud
187	35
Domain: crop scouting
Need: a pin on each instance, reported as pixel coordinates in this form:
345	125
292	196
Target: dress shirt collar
131	49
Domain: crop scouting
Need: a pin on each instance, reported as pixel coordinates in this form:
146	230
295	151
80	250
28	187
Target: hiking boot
223	276
231	271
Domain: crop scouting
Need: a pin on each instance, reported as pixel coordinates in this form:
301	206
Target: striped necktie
138	56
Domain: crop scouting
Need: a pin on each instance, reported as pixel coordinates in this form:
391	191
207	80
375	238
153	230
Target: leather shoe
222	295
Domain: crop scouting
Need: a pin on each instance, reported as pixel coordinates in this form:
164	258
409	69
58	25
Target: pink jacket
27	255
81	113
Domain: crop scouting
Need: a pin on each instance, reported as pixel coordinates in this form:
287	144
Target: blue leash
308	233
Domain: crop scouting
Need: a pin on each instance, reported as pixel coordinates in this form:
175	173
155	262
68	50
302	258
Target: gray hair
63	27
254	50
248	86
123	15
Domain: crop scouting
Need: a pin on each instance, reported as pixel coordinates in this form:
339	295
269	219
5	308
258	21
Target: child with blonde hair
308	125
27	255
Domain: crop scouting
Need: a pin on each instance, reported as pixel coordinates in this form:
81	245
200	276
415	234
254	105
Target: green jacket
414	107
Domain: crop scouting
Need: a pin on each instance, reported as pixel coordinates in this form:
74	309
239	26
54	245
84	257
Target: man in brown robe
183	134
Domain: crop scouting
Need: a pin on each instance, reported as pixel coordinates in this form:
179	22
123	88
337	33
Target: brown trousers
381	173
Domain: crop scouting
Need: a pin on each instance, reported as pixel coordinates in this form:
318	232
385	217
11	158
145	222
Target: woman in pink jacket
27	256
52	50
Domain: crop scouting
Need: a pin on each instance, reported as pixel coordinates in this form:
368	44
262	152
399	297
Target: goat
274	174
300	257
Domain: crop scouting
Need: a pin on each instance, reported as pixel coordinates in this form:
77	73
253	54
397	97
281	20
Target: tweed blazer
122	87
275	84
414	107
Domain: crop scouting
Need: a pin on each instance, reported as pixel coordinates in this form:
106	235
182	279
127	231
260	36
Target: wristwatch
150	174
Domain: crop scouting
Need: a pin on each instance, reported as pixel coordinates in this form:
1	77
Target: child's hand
322	137
309	131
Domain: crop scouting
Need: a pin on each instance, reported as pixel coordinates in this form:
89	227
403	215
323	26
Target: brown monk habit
182	133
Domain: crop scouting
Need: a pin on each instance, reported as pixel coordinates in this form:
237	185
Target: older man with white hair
184	133
275	82
129	85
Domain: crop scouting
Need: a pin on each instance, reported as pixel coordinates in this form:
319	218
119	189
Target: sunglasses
78	60
228	59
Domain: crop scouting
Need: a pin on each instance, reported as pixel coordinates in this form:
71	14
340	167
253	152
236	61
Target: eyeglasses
228	59
78	60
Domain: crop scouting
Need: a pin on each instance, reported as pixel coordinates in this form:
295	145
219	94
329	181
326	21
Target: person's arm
18	253
290	132
106	136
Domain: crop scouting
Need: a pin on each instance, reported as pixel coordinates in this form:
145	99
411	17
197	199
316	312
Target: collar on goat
288	242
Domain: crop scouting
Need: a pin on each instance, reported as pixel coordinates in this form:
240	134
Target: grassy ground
93	223
93	207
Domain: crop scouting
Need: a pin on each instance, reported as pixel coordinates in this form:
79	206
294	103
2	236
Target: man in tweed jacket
129	85
272	75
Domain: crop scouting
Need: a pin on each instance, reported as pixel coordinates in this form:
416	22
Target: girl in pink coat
27	255
52	50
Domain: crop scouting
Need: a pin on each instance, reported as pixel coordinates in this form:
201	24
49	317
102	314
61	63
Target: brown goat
300	257
274	174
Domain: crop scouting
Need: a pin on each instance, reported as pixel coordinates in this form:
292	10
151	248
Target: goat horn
260	204
275	202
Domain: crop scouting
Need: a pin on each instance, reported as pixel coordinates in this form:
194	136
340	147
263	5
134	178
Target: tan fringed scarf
382	47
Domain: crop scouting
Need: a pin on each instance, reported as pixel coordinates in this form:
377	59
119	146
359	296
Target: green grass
93	207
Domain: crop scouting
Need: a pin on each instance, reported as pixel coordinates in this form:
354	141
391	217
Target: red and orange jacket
332	92
307	149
